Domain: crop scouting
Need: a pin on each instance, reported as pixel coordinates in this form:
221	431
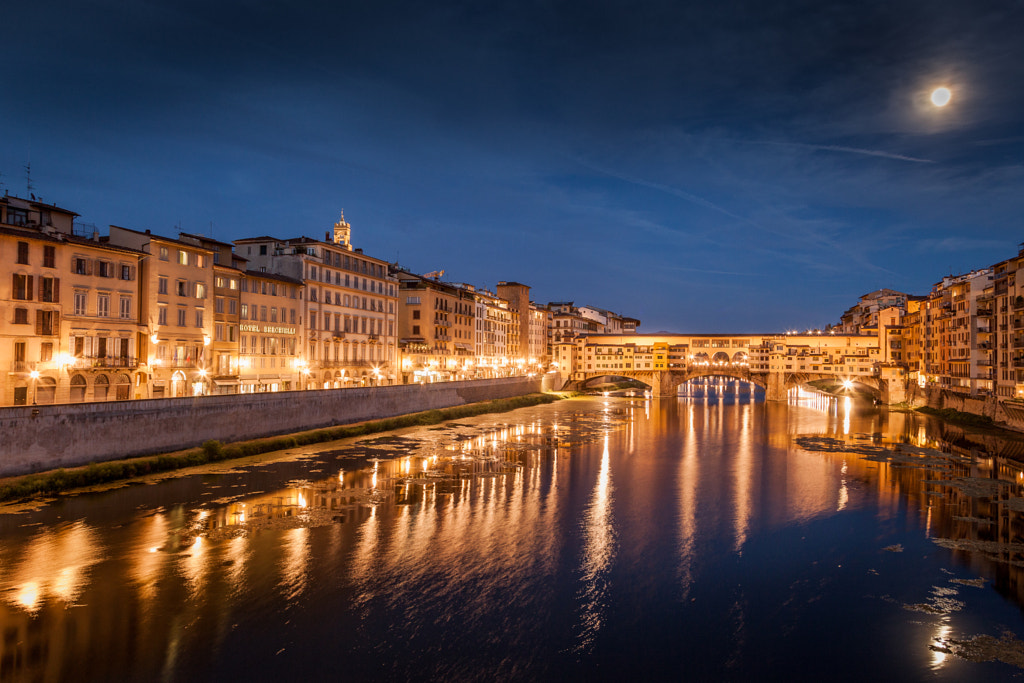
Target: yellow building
71	328
176	293
270	335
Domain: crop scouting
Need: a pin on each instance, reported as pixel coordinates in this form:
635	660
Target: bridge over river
775	362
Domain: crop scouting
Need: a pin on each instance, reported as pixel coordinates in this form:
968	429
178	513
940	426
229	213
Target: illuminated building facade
176	296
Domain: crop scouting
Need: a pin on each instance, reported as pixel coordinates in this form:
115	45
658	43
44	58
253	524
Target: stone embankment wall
45	437
1005	413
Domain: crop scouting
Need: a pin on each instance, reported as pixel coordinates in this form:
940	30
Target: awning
226	382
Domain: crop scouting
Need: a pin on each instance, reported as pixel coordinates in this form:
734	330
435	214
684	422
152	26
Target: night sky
714	166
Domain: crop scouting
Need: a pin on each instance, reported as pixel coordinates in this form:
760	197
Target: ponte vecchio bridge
775	362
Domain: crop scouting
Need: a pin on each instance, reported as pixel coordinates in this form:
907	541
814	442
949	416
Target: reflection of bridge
776	362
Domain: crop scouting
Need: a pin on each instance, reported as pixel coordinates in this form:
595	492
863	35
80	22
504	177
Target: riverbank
65	479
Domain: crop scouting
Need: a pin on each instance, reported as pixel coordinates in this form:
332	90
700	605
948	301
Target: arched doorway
178	384
78	386
122	388
101	388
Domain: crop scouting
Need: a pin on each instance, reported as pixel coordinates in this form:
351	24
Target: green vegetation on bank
214	451
950	415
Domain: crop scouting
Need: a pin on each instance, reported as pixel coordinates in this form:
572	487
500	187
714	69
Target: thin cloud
839	148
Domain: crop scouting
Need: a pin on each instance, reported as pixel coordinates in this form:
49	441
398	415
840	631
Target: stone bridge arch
790	380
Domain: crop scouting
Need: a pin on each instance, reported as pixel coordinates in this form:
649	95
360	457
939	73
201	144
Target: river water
709	537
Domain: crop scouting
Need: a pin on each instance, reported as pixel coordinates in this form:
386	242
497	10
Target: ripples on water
706	538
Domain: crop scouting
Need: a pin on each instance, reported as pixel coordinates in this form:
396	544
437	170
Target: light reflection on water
539	544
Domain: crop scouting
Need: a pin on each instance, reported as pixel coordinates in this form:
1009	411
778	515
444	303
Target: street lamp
35	376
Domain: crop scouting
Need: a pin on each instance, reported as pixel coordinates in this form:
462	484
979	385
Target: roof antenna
28	180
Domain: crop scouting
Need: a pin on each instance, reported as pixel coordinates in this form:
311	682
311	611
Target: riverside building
348	314
70	329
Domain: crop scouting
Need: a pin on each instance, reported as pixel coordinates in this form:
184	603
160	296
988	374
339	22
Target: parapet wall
45	437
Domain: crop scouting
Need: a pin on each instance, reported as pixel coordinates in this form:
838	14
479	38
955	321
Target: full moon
941	97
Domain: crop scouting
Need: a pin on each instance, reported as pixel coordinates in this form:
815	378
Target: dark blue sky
713	166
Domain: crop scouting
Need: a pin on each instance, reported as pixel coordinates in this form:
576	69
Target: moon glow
941	97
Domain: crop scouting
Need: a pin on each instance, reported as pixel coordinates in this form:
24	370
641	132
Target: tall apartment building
176	296
348	314
270	336
532	337
493	319
228	274
436	328
70	326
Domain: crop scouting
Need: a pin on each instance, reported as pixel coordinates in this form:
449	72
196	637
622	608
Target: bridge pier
776	390
663	385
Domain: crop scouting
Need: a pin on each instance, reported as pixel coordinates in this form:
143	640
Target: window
200	290
21	316
127	272
80	266
161	285
218	305
22	287
263	250
292	316
416	330
199	317
103	305
181	317
219	332
412	300
182	288
81	303
232	306
126	307
49	256
245	311
22	252
106	269
273	314
17	216
416	315
263	313
46	351
182	257
47	323
162	315
232	283
164	256
49	290
200	260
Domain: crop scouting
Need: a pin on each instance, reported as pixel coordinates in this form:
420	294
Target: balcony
86	362
182	362
984	312
1018	362
22	366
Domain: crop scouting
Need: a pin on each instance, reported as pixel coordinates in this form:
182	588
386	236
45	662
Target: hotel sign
266	329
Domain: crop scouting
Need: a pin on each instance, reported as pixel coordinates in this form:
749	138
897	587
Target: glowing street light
35	377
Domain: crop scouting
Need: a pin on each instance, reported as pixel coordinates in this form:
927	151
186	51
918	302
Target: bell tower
343	233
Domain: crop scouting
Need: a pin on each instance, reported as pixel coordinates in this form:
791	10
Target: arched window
46	390
78	386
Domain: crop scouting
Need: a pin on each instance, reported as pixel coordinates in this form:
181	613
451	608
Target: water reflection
598	554
495	545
